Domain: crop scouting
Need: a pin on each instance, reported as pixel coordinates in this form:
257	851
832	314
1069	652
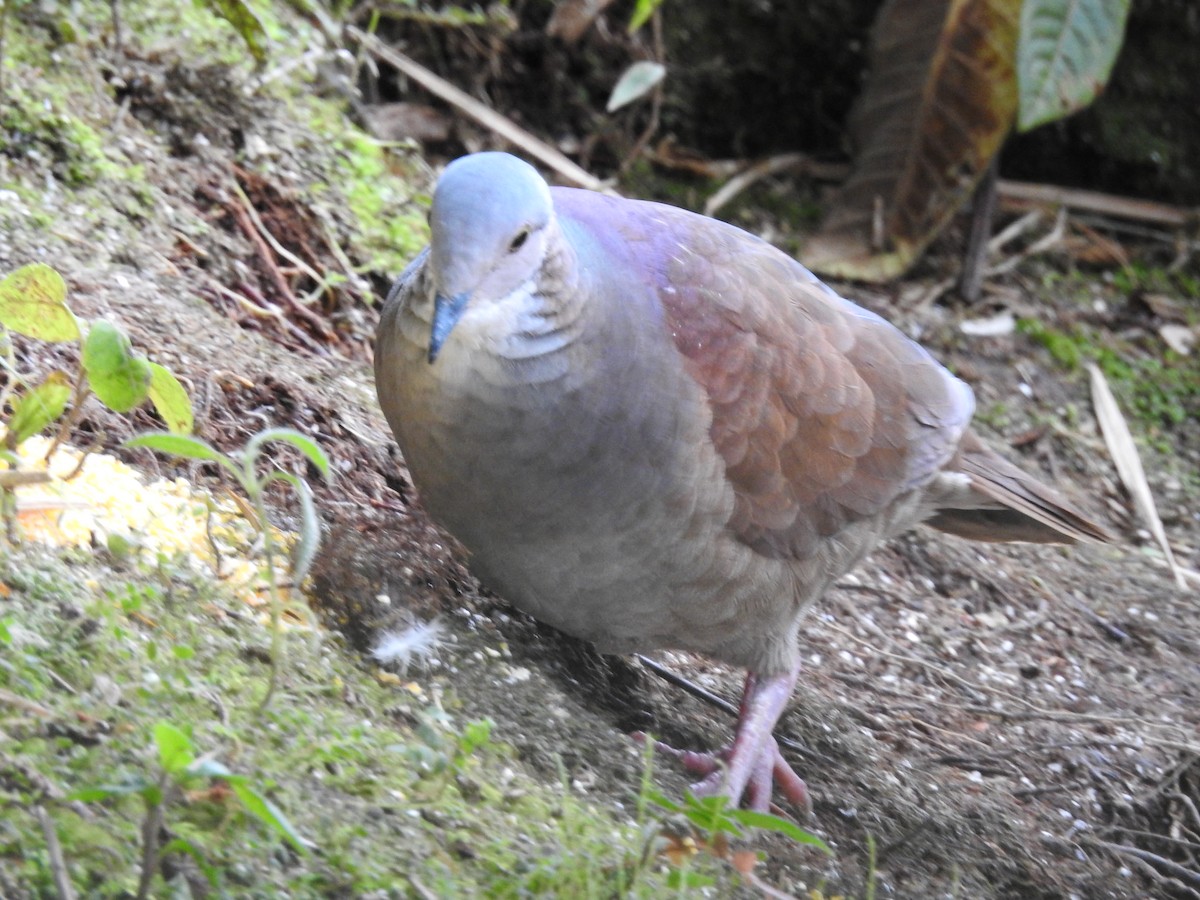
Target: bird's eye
519	241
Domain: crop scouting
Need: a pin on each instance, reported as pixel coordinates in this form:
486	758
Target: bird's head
489	222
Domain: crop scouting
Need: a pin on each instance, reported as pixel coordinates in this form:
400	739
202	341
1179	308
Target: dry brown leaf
744	861
1123	451
1179	338
572	18
939	102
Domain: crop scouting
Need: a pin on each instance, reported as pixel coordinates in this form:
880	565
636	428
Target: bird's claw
768	770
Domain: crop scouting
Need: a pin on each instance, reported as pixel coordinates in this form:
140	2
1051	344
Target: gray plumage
651	429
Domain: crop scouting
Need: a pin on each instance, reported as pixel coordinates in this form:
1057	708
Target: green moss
389	788
1141	278
996	417
31	125
1161	391
389	218
1065	348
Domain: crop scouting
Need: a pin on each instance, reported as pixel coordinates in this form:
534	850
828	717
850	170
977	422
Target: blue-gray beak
446	313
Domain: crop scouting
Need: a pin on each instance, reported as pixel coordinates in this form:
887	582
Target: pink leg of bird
753	764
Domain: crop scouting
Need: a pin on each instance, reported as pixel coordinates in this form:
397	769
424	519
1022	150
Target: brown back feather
824	413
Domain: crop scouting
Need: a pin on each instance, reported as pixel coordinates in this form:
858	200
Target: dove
651	429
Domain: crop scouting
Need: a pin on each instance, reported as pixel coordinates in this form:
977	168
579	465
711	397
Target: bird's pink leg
753	763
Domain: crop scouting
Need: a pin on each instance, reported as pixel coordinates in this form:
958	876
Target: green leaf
210	768
768	822
474	736
92	795
121	547
268	813
181	445
661	800
309	538
171	400
679	880
174	748
39	407
636	81
117	376
33	302
239	14
711	814
1065	54
304	444
104	791
642	13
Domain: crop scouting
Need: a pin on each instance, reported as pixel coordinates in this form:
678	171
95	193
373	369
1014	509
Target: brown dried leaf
744	861
1123	451
940	99
572	18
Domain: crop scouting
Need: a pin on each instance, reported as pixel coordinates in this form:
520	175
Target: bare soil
1001	722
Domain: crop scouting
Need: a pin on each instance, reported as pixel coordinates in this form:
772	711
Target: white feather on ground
413	644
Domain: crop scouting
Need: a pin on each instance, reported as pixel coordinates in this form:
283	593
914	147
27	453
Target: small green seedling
716	823
243	466
33	303
183	773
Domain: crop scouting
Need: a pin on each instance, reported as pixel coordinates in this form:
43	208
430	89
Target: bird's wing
823	412
1003	503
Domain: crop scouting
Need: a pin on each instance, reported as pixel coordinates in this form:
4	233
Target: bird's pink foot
770	770
752	765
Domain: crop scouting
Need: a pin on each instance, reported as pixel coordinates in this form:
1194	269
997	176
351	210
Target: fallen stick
484	115
1097	202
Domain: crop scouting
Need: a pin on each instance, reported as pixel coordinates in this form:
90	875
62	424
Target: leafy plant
715	823
636	81
1065	53
948	83
33	303
243	466
183	773
245	22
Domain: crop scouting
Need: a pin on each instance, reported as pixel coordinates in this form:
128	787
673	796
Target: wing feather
823	412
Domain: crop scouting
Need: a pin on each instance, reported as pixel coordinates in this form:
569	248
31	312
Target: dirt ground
999	721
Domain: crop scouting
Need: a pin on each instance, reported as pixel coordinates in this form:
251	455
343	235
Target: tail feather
1008	504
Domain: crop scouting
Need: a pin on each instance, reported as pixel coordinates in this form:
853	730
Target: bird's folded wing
823	412
1007	504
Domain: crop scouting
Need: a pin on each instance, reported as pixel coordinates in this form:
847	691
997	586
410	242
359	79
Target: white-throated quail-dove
651	429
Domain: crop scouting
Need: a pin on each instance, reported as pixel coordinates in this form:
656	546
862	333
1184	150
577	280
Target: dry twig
482	114
1094	201
241	210
786	162
58	866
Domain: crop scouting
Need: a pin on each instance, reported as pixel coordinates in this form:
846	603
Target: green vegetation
389	228
29	123
244	467
127	696
1157	386
33	303
1161	390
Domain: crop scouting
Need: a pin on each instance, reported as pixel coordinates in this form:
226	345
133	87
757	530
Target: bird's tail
1007	504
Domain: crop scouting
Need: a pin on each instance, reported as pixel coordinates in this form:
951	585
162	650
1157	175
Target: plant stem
276	602
72	416
58	867
3	32
150	829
